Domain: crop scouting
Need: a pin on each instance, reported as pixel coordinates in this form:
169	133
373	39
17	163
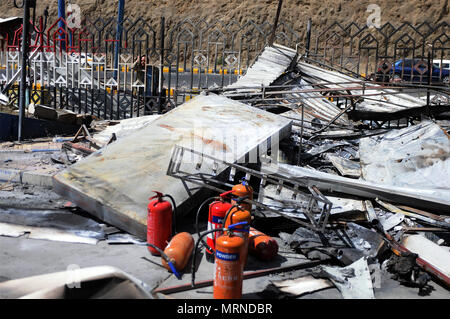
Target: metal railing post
23	73
161	66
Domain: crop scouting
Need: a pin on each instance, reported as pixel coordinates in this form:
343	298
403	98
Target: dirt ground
295	12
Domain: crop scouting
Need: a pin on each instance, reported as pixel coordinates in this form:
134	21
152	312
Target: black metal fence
100	71
389	53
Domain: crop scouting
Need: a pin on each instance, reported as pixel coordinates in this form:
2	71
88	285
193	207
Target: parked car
445	64
415	71
412	70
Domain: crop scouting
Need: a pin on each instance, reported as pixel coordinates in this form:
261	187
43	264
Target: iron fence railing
184	58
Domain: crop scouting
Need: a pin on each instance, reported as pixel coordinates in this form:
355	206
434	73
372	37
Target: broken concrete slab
114	183
45	112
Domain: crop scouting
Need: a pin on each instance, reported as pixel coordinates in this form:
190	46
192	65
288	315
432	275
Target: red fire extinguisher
230	255
160	222
216	213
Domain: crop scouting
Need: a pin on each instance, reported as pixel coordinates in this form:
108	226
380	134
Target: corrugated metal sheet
384	102
272	63
315	107
115	183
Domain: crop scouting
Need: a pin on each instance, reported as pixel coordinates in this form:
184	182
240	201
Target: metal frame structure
317	216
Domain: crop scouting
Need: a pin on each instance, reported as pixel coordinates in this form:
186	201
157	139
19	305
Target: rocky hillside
296	12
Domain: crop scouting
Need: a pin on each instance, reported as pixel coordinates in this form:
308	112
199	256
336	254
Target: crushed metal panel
302	285
272	63
124	127
115	182
316	107
282	200
54	225
420	198
354	281
417	156
345	166
388	100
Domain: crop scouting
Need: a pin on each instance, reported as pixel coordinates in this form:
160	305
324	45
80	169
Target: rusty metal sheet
114	183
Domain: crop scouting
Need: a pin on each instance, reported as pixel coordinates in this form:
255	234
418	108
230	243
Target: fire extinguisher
237	214
230	255
216	213
262	246
242	190
177	253
161	222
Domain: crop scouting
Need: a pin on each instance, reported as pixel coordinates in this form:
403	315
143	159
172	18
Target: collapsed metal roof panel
417	156
115	183
386	100
315	107
272	63
422	198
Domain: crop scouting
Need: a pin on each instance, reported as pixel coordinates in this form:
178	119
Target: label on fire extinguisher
217	223
227	256
217	220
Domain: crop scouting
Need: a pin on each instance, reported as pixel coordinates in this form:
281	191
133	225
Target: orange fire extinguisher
237	214
177	253
229	256
228	266
240	191
161	223
262	246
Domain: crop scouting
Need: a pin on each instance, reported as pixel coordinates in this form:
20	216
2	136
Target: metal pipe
61	24
161	66
23	73
247	275
118	43
275	24
308	37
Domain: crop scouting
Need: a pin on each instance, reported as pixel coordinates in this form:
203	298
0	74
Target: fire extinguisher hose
174	224
167	259
238	201
231	227
196	222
